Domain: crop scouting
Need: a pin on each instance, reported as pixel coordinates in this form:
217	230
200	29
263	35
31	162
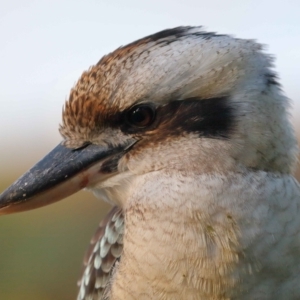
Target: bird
187	134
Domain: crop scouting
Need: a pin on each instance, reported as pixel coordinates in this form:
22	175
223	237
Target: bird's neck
179	235
196	236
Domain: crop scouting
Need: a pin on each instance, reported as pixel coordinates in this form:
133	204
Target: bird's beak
59	174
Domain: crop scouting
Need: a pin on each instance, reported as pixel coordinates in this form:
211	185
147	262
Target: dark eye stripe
212	118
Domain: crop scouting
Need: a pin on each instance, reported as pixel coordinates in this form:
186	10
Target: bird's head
181	99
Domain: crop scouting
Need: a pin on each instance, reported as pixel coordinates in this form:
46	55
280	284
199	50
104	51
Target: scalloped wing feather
102	256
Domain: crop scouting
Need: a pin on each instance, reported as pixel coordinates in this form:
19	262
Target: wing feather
101	257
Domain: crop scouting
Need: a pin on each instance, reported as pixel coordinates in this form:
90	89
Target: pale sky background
45	46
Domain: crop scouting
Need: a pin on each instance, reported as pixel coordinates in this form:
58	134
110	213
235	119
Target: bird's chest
212	241
173	258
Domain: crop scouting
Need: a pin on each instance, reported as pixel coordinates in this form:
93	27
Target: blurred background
45	46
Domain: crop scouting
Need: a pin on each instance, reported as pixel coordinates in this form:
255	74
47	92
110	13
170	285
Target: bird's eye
141	115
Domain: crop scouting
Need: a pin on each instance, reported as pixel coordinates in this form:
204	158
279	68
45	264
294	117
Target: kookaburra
187	134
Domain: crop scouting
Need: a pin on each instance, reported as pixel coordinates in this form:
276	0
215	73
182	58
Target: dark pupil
141	116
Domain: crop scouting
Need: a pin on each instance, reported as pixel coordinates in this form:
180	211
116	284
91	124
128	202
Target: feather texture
102	256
